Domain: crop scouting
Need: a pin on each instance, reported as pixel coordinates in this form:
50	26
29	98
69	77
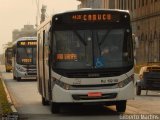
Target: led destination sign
67	56
106	17
27	43
87	19
27	60
93	17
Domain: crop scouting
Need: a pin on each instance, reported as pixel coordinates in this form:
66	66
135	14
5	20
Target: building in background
145	15
26	31
146	27
109	4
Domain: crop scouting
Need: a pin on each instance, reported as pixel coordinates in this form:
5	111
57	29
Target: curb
14	111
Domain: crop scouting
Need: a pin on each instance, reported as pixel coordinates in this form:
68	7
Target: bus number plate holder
95	94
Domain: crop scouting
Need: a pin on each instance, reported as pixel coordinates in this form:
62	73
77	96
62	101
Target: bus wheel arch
44	101
14	77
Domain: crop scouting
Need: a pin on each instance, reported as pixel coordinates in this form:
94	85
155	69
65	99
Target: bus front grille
32	73
91	74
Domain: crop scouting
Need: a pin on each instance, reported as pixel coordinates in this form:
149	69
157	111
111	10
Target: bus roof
26	38
90	9
47	21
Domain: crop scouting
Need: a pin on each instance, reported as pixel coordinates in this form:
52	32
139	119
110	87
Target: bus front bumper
61	95
24	75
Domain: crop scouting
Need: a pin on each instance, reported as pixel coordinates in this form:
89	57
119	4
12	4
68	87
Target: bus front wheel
18	79
44	101
55	107
121	106
14	77
138	90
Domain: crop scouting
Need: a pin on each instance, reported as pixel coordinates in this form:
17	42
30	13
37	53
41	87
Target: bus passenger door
45	63
39	61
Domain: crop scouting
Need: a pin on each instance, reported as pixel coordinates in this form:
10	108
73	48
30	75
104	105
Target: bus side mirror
135	41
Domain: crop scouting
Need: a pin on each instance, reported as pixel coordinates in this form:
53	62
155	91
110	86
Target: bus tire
138	90
18	79
121	106
44	101
14	77
55	107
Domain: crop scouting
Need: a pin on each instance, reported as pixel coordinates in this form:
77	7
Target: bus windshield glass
26	55
92	49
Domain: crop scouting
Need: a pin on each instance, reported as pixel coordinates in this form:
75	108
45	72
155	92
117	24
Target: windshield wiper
103	39
80	38
99	48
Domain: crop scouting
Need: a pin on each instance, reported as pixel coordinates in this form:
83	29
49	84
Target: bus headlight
21	69
126	81
63	85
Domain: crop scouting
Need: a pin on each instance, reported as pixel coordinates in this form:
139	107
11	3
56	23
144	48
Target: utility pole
37	16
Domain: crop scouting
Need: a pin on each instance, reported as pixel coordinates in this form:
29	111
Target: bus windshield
92	49
26	55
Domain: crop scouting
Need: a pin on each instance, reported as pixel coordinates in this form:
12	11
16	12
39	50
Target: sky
14	14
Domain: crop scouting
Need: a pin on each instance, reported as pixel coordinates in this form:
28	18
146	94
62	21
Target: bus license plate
94	94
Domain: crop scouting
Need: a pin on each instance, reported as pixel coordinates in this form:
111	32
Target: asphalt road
28	104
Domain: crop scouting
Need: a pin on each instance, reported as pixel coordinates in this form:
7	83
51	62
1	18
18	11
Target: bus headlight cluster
63	85
126	81
21	69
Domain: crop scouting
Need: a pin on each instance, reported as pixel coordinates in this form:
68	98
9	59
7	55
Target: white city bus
24	58
86	56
